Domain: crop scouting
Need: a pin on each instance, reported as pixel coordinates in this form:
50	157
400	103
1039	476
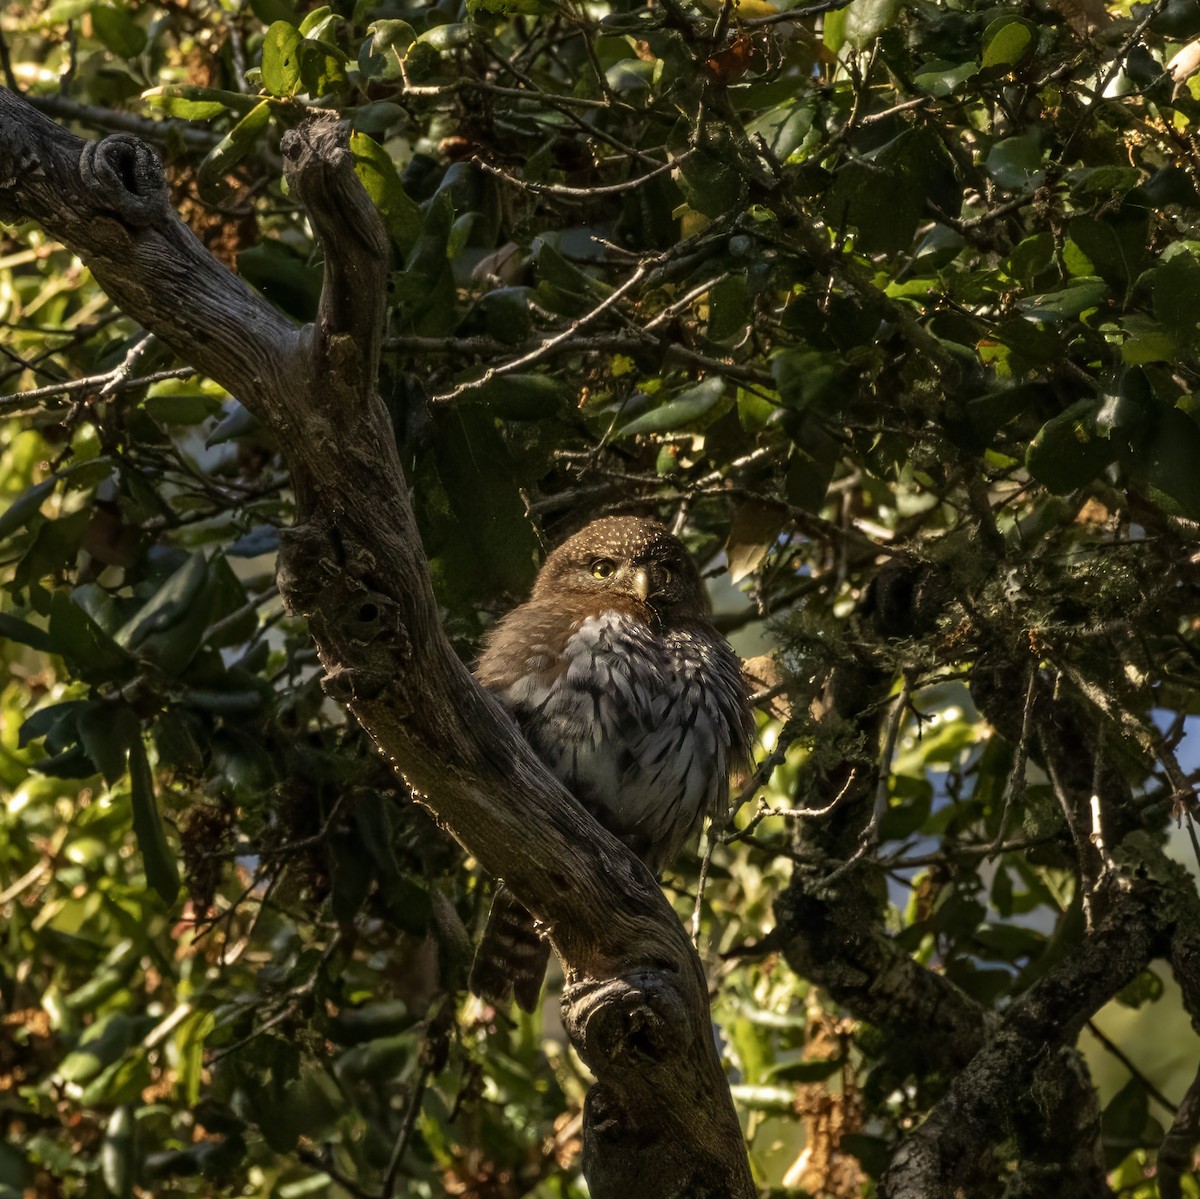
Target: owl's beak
640	579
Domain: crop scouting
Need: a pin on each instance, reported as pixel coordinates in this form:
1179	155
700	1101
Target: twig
547	347
1117	1052
1014	787
110	383
291	1003
1191	828
122	371
1080	833
561	192
765	811
1175	1152
869	841
10	78
322	1161
30	877
795	14
949	856
147	128
392	1175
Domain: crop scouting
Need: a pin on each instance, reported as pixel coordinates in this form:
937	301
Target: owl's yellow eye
603	568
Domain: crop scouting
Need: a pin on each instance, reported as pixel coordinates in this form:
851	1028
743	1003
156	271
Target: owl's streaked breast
639	724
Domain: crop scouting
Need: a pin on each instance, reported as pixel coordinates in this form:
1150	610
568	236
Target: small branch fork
660	1119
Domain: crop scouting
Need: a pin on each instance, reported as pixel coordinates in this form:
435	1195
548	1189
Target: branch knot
127	177
367	643
640	1017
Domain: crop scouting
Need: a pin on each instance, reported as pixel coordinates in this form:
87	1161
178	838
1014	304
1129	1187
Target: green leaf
162	873
118	30
385	1018
281	59
377	173
506	315
867	19
1006	41
118	1154
1067	452
1125	1116
1175	288
322	67
102	1043
1147	987
873	1153
493	546
86	648
728	309
1016	162
810	469
235	145
1168	465
443	38
55	722
192	103
1030	257
683	411
383	51
814	1070
752	532
884	194
1066	303
169	605
522	397
24	633
310	25
562	285
1116	245
18	514
810	378
14	1172
290	280
941	78
106	731
713	180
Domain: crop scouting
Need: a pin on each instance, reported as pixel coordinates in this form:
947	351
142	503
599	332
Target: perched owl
618	679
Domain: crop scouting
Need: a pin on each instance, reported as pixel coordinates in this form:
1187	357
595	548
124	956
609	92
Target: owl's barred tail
511	958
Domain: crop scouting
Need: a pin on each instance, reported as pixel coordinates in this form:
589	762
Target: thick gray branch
982	1107
637	1000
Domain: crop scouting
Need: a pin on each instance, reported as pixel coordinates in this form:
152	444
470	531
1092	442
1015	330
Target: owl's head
626	559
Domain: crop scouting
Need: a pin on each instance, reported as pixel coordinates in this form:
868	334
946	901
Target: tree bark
1013	1076
659	1120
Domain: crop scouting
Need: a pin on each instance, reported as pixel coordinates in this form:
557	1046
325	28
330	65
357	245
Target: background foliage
889	307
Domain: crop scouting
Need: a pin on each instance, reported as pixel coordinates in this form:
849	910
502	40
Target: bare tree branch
659	1121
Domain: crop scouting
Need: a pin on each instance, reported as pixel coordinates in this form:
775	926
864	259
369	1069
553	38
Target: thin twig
1117	1052
869	841
561	192
124	369
1014	787
547	347
110	383
392	1175
323	1162
795	14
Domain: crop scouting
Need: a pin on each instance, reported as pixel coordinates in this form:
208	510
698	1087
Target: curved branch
979	1109
661	1122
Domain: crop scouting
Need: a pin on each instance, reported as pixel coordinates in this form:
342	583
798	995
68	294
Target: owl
619	681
